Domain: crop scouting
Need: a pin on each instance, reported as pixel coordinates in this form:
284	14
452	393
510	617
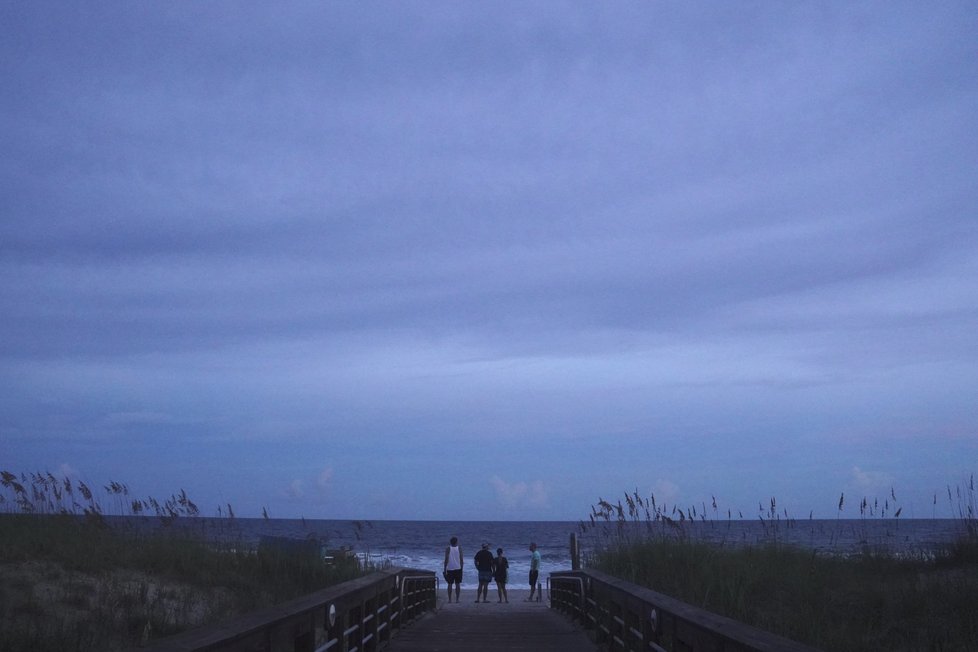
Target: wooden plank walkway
516	626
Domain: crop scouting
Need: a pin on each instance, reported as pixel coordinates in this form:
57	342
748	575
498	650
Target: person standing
534	571
501	567
453	567
483	564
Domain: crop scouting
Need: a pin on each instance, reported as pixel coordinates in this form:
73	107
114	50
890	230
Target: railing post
341	624
575	552
370	624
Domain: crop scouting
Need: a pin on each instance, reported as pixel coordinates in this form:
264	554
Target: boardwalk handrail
355	616
625	616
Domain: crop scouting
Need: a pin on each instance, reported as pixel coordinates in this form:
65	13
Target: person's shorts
485	577
454	576
533	577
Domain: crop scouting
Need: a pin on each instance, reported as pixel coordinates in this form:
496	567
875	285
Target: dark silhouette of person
484	562
500	571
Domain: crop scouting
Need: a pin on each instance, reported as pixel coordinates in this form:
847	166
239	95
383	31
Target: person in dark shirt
484	565
500	571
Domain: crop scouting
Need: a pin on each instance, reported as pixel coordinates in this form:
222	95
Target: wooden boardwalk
516	626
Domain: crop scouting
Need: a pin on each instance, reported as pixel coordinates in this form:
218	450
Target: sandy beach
517	600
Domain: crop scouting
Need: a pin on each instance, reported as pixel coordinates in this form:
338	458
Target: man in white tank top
453	567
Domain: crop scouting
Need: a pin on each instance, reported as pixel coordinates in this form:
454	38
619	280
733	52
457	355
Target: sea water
410	544
422	544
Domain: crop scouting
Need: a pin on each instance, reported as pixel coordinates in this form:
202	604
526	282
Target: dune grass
863	602
71	581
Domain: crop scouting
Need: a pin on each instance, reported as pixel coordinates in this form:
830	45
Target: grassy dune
69	581
861	603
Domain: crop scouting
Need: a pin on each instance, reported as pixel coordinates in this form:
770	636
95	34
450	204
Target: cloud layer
493	260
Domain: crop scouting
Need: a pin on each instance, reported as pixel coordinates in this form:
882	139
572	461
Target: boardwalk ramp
515	626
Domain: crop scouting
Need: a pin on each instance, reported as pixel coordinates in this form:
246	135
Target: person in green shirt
534	571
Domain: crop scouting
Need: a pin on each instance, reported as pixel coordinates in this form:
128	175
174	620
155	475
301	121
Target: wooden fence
355	616
627	617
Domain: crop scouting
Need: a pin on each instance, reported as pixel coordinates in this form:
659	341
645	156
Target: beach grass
860	603
72	578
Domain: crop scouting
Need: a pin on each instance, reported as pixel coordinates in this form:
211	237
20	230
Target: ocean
421	544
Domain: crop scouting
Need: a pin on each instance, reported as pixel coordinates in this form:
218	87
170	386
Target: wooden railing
355	616
624	616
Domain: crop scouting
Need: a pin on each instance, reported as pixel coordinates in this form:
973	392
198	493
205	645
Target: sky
492	261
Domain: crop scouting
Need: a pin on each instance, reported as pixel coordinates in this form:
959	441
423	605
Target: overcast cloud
490	260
